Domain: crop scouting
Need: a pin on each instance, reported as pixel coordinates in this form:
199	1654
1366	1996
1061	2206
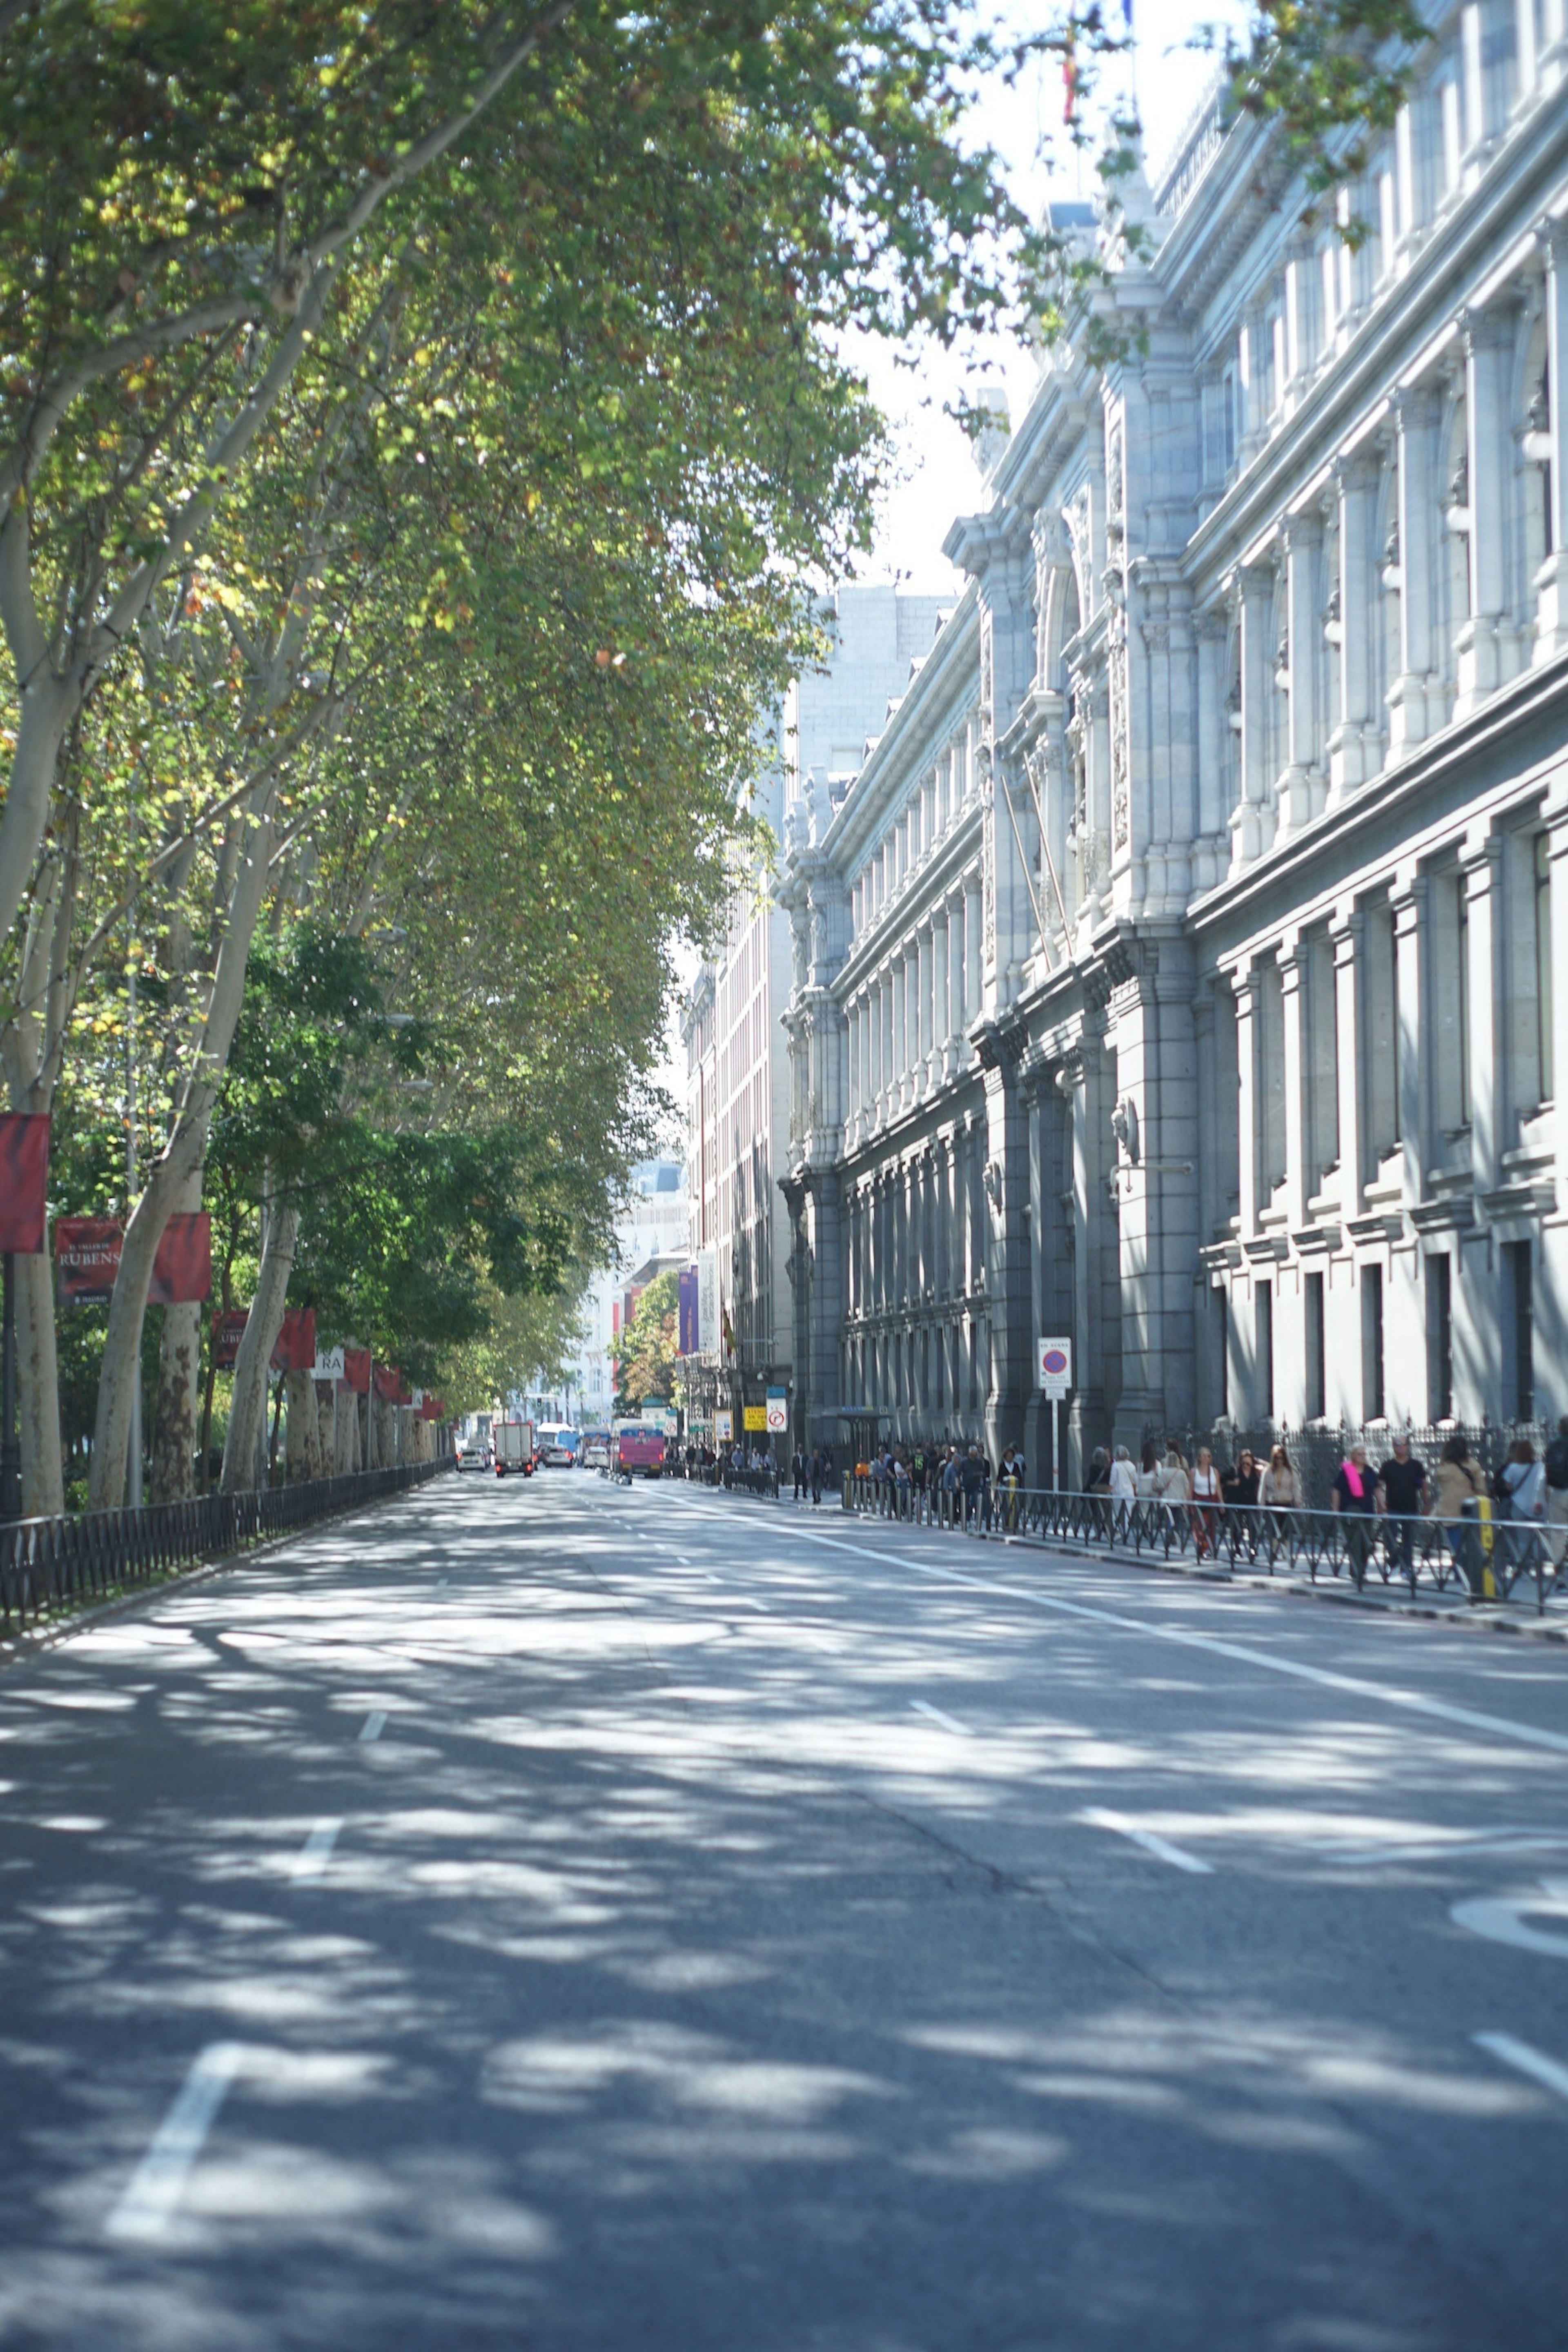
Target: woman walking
1356	1496
1207	1497
1461	1483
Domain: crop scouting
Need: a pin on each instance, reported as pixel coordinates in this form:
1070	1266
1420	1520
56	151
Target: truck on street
514	1447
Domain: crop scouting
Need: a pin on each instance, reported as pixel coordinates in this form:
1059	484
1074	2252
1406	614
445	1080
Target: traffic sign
1055	1362
724	1424
778	1411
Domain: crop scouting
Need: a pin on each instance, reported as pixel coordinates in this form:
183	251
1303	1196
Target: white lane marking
1525	2059
441	1584
1385	1694
158	2183
741	1602
1501	1918
313	1856
948	1722
1151	1840
373	1725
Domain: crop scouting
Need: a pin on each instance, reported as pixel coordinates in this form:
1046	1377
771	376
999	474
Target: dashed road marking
1151	1840
1525	2059
313	1856
948	1722
374	1725
158	2183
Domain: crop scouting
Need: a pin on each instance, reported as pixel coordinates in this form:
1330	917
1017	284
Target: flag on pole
1069	75
23	1180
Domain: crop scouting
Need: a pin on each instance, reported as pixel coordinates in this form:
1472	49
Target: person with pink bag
1355	1493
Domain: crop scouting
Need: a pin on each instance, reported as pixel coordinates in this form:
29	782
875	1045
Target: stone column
942	1006
1245	982
1480	862
1347	931
1289	958
1557	854
1415	701
1352	744
1551	580
1408	900
1300	787
1483	657
1251	822
972	977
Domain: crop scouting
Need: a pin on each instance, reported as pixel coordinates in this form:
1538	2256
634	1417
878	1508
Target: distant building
737	1065
655	1227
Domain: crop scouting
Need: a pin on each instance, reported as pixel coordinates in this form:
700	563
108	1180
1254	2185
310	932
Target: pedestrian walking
797	1470
1124	1492
1557	1494
1280	1488
976	1480
1356	1496
819	1472
1099	1477
1147	1477
1459	1487
1010	1480
1402	1495
1521	1493
1239	1485
1206	1497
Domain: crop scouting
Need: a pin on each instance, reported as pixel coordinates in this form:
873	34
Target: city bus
638	1448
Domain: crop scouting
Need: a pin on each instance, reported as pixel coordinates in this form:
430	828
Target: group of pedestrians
1513	1521
811	1472
951	1480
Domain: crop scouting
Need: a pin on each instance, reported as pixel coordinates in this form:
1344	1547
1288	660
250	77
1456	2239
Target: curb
16	1648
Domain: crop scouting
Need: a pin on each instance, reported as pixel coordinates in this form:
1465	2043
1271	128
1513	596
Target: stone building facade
1180	969
738	1075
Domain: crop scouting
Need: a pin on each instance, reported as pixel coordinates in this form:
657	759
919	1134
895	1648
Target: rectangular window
1317	1386
1542	900
1372	1343
1263	1303
1518	1329
1440	1337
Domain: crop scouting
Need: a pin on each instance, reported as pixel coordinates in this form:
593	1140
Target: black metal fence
46	1562
1476	1557
1317	1451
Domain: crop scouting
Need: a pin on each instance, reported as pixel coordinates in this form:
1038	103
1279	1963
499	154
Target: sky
1166	75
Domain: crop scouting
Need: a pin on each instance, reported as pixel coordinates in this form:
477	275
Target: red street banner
87	1253
356	1371
228	1330
183	1269
388	1381
24	1179
429	1410
296	1348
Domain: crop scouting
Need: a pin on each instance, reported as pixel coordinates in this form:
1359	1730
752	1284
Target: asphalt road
544	1915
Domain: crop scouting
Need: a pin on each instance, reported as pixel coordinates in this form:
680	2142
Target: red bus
638	1448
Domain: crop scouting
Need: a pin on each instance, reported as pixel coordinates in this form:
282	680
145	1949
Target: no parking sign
1056	1366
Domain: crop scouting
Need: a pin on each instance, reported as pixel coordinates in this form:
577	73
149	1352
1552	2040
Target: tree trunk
179	1386
179	1165
303	1458
174	1413
247	1411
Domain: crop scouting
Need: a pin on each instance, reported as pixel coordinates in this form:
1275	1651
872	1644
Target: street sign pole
1054	1357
